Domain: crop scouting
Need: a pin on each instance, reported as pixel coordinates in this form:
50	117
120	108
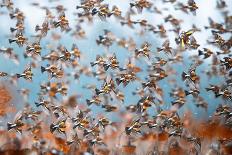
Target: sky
90	49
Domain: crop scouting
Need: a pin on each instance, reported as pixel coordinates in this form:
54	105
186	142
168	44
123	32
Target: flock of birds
53	125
